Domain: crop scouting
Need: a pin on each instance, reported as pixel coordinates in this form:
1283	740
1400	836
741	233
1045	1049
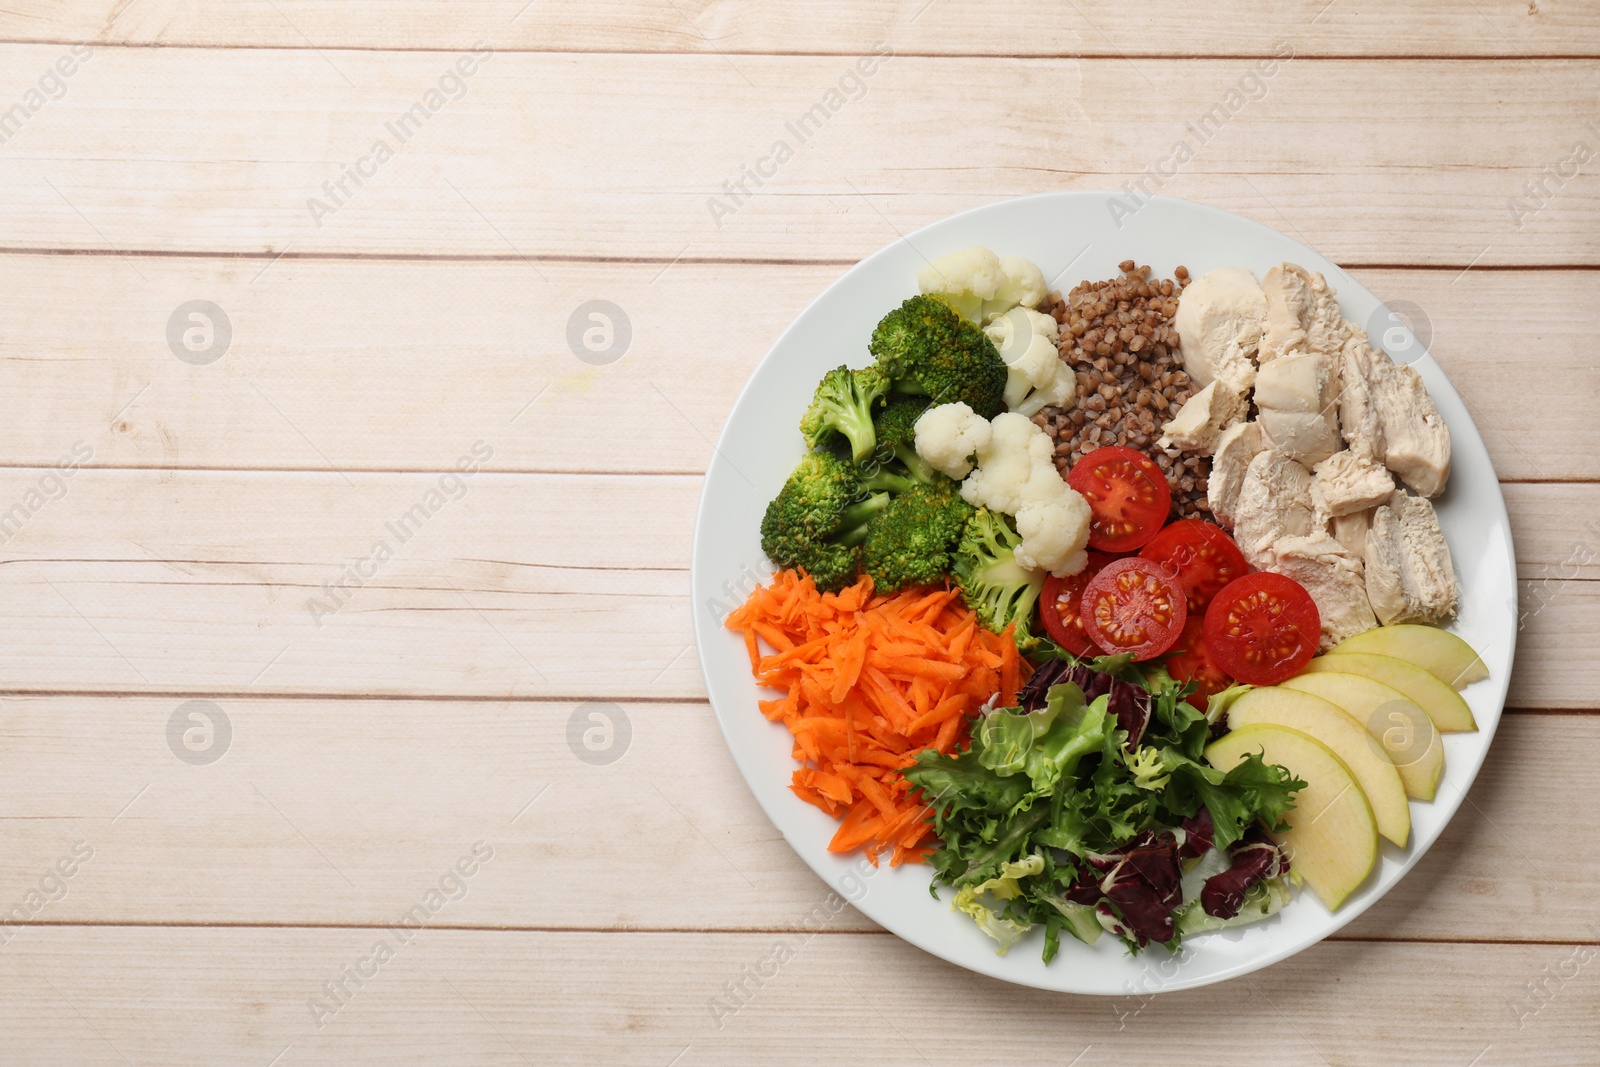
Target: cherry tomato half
1263	628
1204	557
1059	603
1193	663
1127	494
1134	606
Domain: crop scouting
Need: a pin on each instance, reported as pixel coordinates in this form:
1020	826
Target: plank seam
471	698
712	52
644	261
731	931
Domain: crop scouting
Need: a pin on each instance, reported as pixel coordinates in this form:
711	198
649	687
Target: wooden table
334	470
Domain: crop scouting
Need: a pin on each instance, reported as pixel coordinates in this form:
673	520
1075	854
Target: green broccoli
992	583
843	404
909	542
896	429
929	350
819	518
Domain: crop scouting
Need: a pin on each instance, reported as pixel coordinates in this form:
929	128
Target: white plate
1072	236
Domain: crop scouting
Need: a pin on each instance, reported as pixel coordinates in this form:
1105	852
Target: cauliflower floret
1023	286
980	285
1035	373
964	279
1055	533
948	435
1016	474
1006	464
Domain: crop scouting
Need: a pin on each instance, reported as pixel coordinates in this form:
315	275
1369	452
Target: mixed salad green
1089	807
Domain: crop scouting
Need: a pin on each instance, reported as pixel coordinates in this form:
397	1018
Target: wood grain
343	812
362	365
223	151
501	586
490	998
1090	27
378	339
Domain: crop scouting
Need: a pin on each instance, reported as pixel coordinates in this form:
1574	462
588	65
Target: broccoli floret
896	427
909	543
819	518
927	349
992	583
843	404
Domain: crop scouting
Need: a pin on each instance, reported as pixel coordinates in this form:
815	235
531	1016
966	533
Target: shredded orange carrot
868	682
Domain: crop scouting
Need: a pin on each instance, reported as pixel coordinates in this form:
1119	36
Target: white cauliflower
948	436
980	285
1035	373
965	280
1017	449
1023	286
1016	474
1055	534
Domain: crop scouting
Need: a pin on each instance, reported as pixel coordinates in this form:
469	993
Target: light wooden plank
383	365
591	155
161	581
1091	27
523	585
345	812
241	996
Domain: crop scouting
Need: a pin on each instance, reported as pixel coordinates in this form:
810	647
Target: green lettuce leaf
1251	790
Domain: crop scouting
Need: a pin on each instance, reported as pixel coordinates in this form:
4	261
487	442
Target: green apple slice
1332	840
1443	704
1439	652
1403	729
1345	737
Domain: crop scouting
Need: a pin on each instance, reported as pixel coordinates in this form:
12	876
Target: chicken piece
1236	447
1302	315
1333	578
1297	396
1359	421
1203	417
1345	483
1274	502
1219	323
1409	573
1351	531
1416	442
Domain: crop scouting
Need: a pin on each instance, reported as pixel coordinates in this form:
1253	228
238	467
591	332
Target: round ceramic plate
1072	237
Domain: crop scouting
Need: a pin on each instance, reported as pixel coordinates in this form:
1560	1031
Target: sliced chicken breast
1334	579
1235	448
1351	531
1416	440
1274	502
1409	574
1297	396
1345	483
1203	417
1302	315
1219	323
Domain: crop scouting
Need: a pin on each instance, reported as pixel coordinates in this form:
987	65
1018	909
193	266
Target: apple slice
1439	652
1443	704
1332	840
1404	730
1345	737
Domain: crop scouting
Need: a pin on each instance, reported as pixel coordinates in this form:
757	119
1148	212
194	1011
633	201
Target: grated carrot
870	681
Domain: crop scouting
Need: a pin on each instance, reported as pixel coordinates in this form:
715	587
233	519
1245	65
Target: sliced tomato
1263	628
1134	606
1128	497
1204	557
1192	662
1059	603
